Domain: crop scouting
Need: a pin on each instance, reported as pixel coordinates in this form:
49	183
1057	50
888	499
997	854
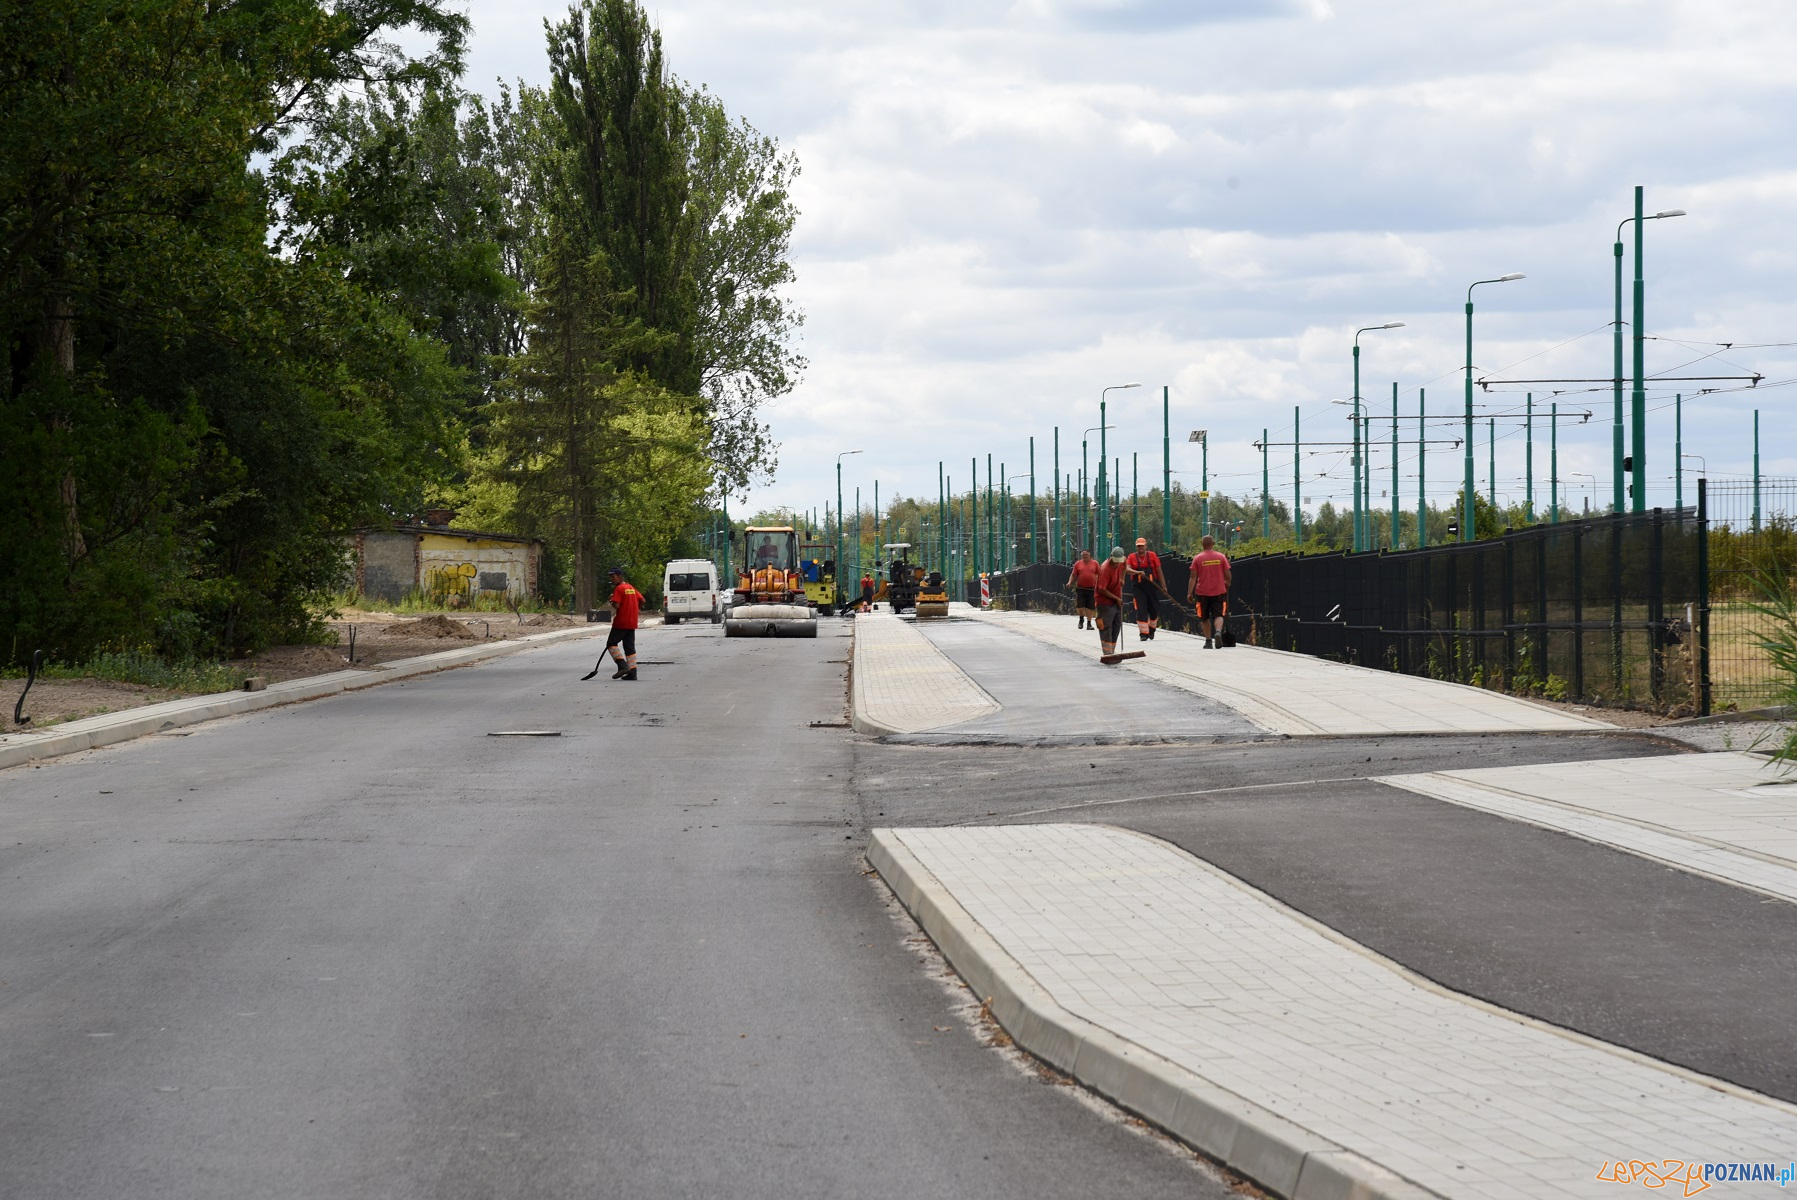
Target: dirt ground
52	701
380	637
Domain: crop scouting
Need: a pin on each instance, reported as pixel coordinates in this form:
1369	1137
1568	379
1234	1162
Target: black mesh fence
1752	560
1607	610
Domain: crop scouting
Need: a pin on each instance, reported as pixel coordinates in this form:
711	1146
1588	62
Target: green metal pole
1528	459
1397	522
1422	470
1638	417
1085	535
1204	479
1034	557
1553	462
992	557
1135	496
1166	470
1297	476
729	538
1678	451
1355	421
839	562
974	529
857	535
879	530
1266	508
1054	549
1616	451
1756	470
941	520
1467	485
1103	493
1491	470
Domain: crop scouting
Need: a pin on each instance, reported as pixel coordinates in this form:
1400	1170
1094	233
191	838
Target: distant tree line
265	277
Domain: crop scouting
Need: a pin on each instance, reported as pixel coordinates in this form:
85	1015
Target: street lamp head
1338	402
1511	276
1392	325
1670	212
1198	435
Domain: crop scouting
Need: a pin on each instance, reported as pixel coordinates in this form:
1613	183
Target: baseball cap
1141	541
617	570
1117	554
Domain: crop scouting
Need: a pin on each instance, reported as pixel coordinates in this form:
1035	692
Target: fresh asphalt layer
1051	696
358	948
1679	967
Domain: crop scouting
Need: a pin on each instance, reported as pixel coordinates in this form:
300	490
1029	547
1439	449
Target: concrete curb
859	721
110	728
1277	1154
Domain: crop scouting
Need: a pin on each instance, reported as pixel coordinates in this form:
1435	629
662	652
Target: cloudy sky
1007	207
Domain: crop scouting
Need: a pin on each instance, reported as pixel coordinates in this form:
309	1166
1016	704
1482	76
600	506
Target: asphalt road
1051	696
358	948
1680	967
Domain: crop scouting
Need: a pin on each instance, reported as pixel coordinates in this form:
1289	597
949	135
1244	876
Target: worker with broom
1108	592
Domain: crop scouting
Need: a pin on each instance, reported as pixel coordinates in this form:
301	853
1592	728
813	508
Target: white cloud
1007	206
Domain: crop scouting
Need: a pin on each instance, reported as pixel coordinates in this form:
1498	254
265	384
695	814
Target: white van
689	588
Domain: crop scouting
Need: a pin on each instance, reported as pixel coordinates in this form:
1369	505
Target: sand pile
431	626
550	621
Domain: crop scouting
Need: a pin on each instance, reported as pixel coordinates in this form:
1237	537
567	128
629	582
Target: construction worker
1082	579
1209	590
1149	584
626	601
867	593
1108	591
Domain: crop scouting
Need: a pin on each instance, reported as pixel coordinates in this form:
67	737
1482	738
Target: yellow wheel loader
770	599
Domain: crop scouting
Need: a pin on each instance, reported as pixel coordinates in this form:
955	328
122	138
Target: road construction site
938	907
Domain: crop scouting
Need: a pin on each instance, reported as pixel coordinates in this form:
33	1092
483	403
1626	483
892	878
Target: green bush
142	667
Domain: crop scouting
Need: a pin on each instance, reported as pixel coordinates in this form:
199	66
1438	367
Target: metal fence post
1656	609
1578	608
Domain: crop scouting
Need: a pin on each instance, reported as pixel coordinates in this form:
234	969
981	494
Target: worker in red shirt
1209	590
1109	593
1147	582
1082	579
626	602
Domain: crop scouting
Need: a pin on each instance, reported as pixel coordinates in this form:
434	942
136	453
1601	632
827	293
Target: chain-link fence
1752	555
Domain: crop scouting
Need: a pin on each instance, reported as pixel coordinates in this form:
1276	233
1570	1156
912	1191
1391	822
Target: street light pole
1297	478
1361	518
1467	489
1639	396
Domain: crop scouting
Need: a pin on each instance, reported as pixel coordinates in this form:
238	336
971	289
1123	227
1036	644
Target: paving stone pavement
1731	816
1189	964
903	684
1299	695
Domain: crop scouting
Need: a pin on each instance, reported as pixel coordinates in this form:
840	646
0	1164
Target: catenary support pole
1422	470
1678	451
1638	415
1032	526
1617	498
1054	548
1266	494
1297	476
1135	497
1528	459
1553	462
974	528
1397	520
1756	470
1166	469
992	558
1491	469
1102	495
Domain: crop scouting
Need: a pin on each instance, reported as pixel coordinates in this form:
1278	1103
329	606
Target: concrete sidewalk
1730	816
72	737
903	684
1277	1046
1298	695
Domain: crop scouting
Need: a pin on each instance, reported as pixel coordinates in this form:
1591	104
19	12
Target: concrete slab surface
1298	695
1196	972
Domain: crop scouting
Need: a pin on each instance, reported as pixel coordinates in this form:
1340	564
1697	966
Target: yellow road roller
770	599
